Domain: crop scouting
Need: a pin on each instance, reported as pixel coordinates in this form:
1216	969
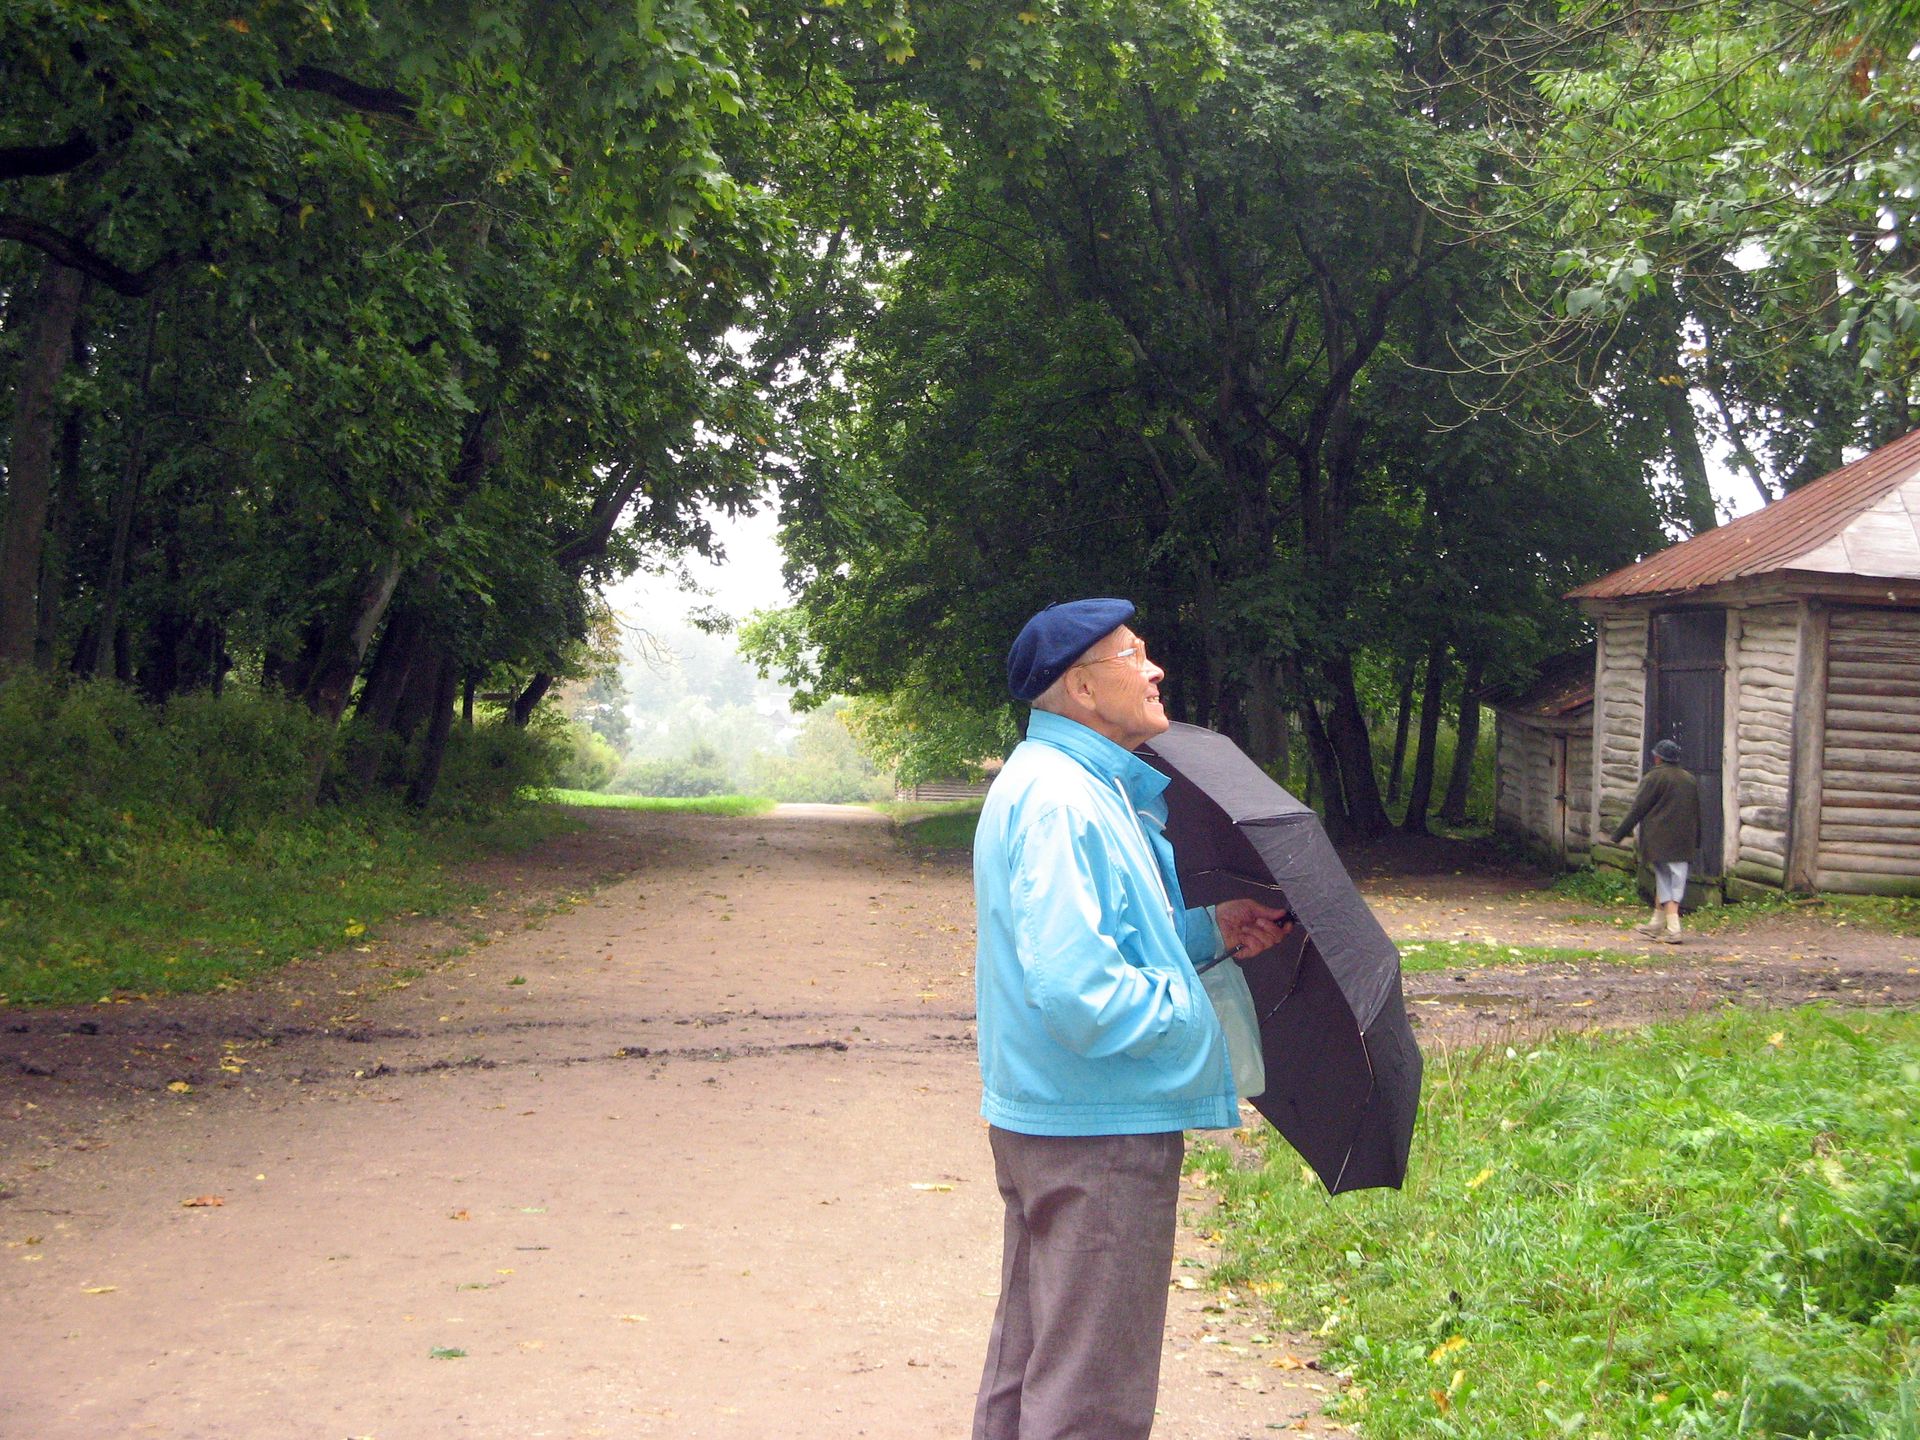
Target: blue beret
1055	638
1667	750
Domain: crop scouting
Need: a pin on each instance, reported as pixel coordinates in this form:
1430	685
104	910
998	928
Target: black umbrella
1343	1071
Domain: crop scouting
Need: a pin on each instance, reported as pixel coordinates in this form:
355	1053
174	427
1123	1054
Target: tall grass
1708	1229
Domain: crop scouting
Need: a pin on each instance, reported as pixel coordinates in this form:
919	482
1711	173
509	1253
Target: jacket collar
1097	753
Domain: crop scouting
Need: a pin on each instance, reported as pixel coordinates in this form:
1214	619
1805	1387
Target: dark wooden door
1686	694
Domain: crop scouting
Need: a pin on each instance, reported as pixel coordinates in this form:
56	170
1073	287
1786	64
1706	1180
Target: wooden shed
1782	652
1543	760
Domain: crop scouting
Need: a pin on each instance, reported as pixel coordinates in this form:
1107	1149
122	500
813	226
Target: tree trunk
395	660
48	348
1432	695
1266	717
434	753
126	501
343	643
468	690
1323	772
527	699
1347	729
1453	809
59	530
416	700
1400	726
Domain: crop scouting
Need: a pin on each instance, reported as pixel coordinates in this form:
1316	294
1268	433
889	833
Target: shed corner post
1809	748
1730	745
1598	730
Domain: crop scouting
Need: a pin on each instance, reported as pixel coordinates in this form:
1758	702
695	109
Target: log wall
1762	671
1869	835
1528	800
1619	719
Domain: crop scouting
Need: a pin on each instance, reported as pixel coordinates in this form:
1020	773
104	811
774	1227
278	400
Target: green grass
936	825
1895	915
1417	955
701	805
196	912
1709	1229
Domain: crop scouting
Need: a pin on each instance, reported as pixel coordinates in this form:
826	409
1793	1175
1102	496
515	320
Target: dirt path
694	1154
1433	890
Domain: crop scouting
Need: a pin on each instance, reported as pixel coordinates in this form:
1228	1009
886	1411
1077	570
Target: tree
1143	343
423	322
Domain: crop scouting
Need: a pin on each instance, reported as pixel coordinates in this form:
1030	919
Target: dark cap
1667	750
1055	638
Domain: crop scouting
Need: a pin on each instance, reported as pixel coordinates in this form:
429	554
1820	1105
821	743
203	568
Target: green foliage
82	768
186	910
165	848
588	762
1706	1229
236	762
1597	885
698	772
488	767
947	825
827	766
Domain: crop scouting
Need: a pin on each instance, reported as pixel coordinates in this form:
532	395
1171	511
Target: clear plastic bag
1226	986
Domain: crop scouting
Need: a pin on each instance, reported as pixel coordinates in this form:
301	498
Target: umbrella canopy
1343	1071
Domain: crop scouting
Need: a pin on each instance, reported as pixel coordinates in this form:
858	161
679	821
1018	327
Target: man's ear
1077	687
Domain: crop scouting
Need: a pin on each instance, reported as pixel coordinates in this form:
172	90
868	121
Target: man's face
1125	689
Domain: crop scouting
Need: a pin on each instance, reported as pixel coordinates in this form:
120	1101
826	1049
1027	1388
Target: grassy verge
1420	955
1615	890
937	825
1706	1229
183	913
702	805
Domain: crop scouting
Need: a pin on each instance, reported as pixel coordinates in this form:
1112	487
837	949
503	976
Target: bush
77	769
237	761
489	767
586	760
698	773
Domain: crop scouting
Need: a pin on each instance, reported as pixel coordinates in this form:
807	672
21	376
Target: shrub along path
674	1135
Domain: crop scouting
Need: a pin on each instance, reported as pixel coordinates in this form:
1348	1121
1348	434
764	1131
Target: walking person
1098	1045
1667	809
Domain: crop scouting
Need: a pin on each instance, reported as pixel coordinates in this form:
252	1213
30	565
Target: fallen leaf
930	1185
460	1215
180	1087
446	1352
98	1289
201	1201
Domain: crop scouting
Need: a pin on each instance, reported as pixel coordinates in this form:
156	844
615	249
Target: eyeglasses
1136	653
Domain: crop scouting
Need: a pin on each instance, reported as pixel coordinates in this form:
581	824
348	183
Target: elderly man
1098	1045
1667	809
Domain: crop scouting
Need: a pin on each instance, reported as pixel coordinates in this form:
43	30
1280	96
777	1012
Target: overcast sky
749	580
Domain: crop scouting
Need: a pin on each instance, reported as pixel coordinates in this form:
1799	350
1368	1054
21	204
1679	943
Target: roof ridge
1799	521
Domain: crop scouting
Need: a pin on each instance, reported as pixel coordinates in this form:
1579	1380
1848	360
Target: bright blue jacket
1091	1018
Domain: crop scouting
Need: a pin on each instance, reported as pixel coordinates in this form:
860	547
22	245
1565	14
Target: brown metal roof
1770	537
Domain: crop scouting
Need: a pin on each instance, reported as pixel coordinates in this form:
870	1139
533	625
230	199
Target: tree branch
78	255
18	162
374	100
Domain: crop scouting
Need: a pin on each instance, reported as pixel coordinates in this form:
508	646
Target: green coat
1667	810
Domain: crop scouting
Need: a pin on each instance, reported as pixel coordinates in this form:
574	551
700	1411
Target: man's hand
1250	928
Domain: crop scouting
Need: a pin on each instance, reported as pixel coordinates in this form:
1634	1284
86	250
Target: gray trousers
1075	1351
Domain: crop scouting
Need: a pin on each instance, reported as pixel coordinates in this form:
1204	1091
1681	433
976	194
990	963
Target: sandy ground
676	1136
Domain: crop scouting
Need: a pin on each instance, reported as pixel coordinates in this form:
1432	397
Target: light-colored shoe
1650	928
1673	937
